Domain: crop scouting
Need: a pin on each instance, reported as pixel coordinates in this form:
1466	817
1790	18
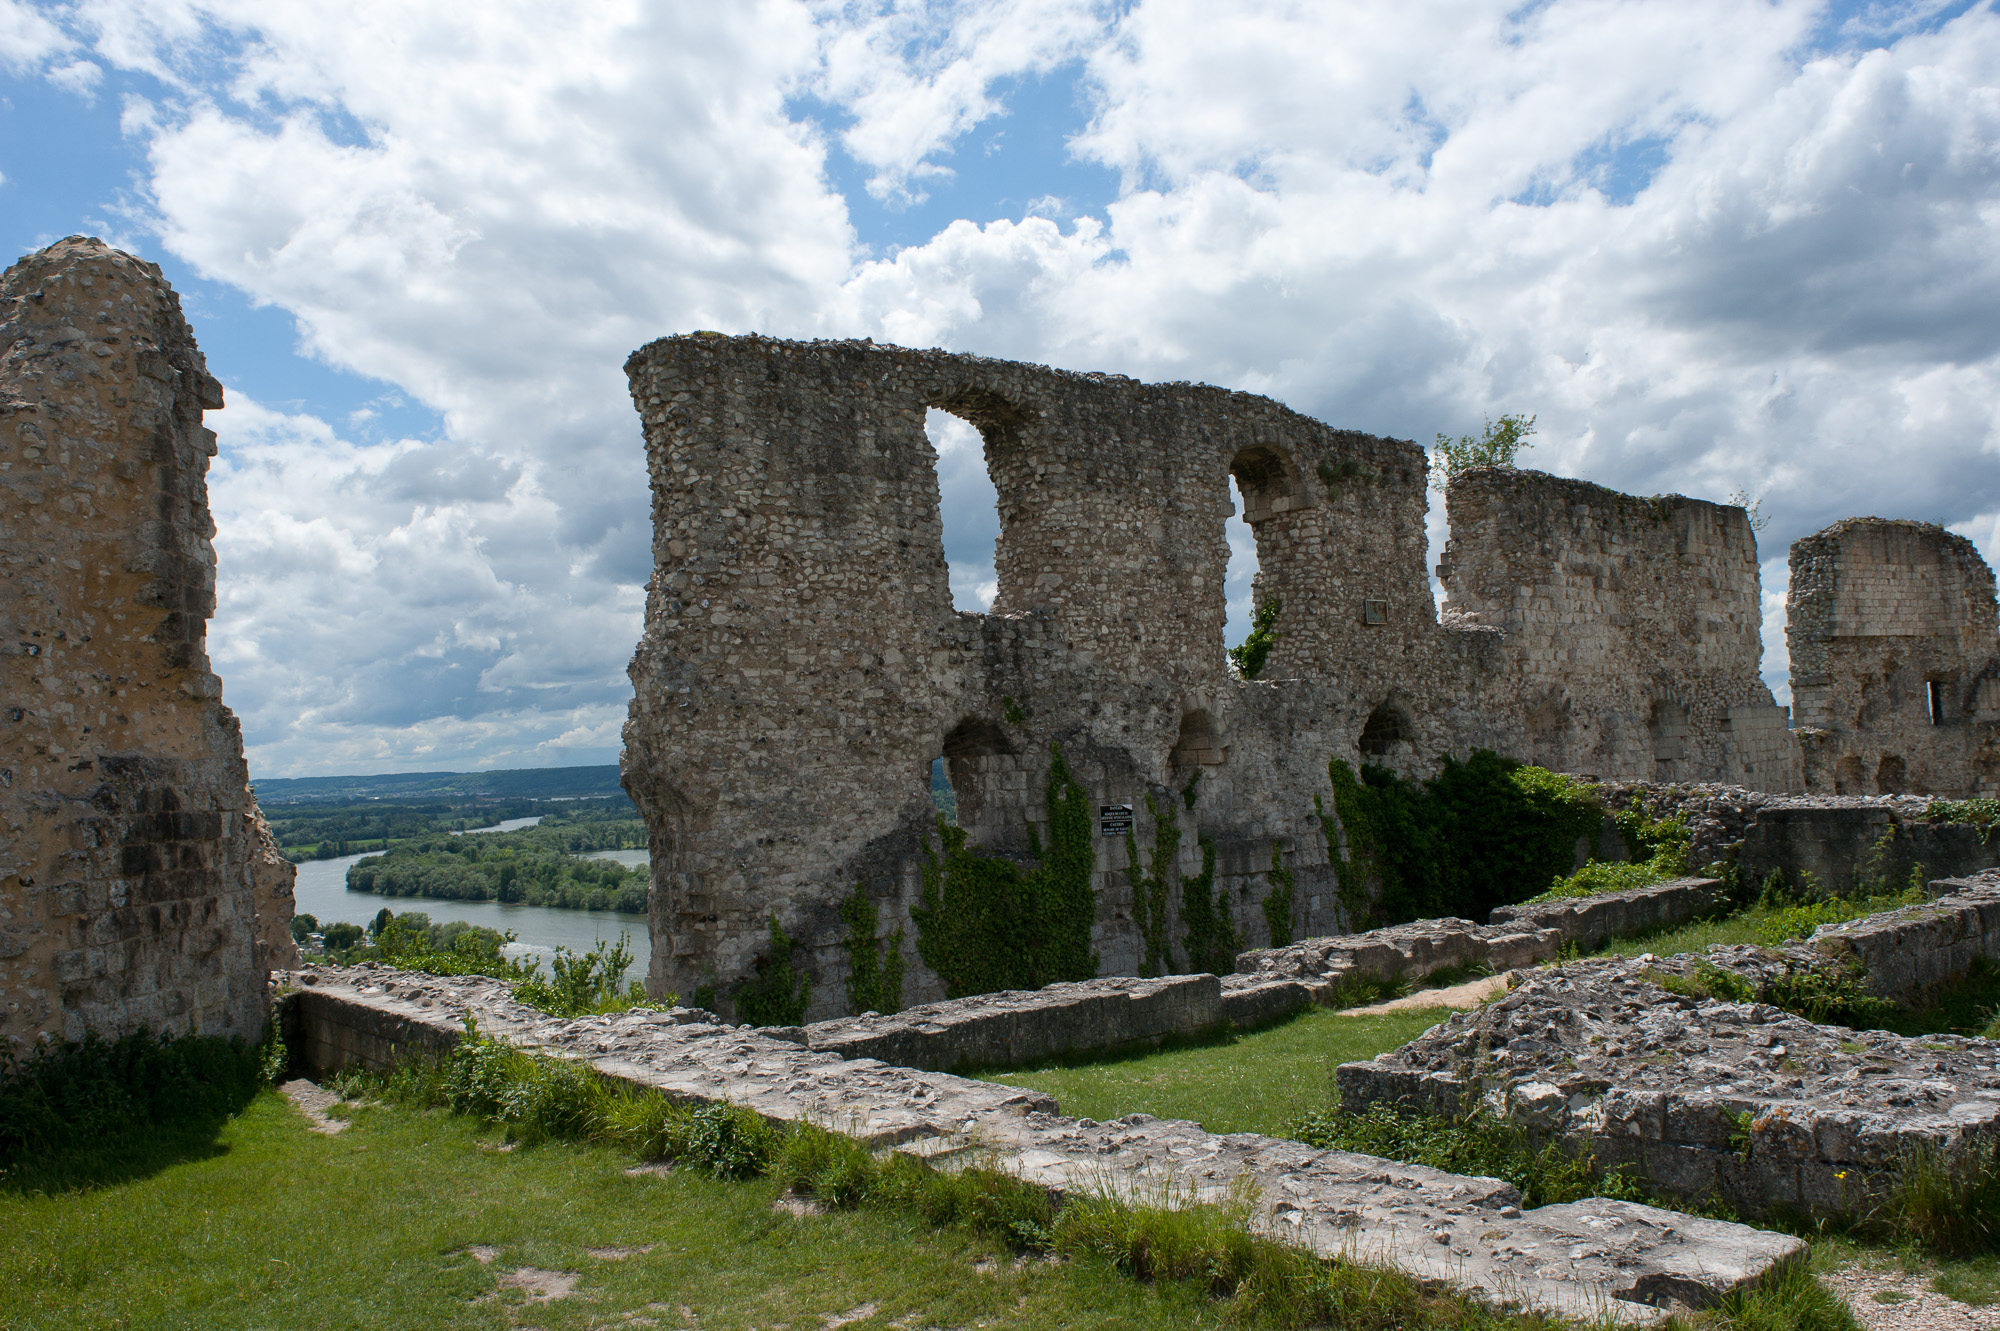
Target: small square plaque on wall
1374	612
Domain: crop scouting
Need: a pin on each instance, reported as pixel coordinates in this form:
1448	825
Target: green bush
874	971
987	923
1249	658
1483	833
1949	1201
582	984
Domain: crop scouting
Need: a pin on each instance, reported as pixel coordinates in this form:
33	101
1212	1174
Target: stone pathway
1912	1305
312	1101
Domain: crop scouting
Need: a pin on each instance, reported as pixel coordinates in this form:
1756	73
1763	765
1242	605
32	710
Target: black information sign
1114	819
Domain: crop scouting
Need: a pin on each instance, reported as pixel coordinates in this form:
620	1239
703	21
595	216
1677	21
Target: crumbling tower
1895	664
138	885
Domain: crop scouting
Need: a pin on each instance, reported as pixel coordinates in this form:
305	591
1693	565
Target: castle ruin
803	666
138	884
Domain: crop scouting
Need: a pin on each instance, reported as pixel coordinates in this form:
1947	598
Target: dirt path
1468	995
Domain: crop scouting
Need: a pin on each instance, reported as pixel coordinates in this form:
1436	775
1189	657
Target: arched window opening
1239	579
977	755
1198	745
1934	697
1890	775
969	507
943	798
1265	478
1385	728
1847	775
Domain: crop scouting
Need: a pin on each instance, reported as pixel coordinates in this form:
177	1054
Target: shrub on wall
988	923
1483	833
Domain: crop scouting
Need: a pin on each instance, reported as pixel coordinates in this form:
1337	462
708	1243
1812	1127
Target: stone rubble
1739	1103
1582	1259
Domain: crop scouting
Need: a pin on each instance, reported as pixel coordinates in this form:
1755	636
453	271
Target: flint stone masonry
1599	1055
1589	922
1103	1016
1844	841
1015	1027
1580	1260
802	665
1895	662
1741	1104
135	884
1404	951
1908	956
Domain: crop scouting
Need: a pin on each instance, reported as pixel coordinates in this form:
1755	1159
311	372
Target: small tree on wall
1495	446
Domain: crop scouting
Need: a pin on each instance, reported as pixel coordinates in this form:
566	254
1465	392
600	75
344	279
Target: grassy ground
271	1225
1258	1082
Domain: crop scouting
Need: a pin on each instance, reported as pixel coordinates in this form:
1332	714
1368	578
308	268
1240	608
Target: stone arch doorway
1385	736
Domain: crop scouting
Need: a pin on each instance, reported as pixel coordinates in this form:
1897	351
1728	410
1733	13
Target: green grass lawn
270	1225
1258	1082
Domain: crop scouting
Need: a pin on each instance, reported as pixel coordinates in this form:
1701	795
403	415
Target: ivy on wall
1278	901
776	995
1149	888
874	978
987	923
1483	833
1212	941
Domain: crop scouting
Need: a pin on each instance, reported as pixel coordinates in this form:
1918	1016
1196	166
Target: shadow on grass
95	1112
139	1154
1172	1042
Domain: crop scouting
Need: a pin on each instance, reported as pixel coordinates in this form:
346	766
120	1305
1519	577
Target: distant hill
543	783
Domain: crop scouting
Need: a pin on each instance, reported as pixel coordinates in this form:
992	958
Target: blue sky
1715	246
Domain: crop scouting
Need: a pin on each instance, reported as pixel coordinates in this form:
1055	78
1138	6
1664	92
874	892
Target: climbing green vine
1212	941
988	923
776	995
874	979
1278	901
1149	888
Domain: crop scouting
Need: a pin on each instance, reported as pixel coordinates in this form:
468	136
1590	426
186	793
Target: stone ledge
1590	922
1404	952
1019	1026
1586	1260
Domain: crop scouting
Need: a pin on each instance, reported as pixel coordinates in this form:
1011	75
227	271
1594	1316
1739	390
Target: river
322	893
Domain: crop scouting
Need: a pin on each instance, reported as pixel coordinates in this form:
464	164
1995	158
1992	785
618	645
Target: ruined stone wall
130	870
1895	663
802	664
1631	629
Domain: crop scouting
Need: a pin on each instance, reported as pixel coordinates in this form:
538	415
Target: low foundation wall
1404	952
1591	1259
1107	1015
1018	1026
1839	839
1590	922
1737	1103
